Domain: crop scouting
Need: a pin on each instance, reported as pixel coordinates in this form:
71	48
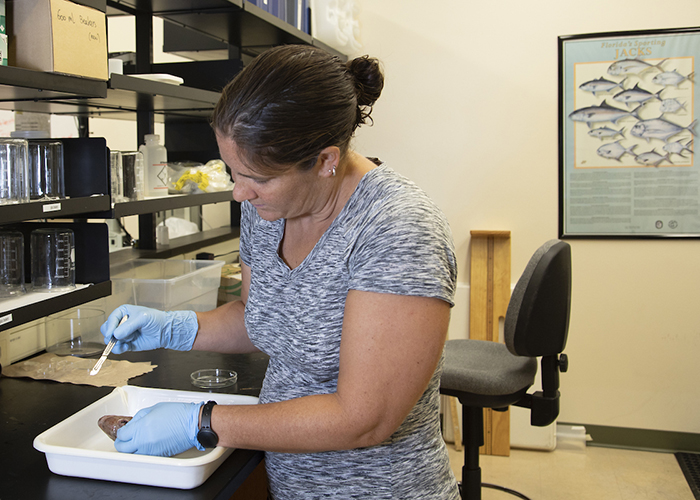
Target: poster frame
662	227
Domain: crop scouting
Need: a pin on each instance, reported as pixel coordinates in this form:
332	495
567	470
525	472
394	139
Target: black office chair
485	374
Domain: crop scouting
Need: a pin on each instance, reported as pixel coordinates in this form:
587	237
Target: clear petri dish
213	378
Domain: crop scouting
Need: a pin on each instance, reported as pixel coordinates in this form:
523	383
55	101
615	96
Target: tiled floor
591	473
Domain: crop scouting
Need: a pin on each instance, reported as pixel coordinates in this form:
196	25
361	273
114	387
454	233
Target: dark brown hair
293	101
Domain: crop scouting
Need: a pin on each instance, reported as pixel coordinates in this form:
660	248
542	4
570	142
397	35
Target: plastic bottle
155	161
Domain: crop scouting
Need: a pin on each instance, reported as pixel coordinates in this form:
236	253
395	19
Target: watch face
207	438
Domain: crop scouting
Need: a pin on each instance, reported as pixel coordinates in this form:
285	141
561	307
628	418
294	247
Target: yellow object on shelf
192	178
197	177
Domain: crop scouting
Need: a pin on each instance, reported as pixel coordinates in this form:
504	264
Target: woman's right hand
146	329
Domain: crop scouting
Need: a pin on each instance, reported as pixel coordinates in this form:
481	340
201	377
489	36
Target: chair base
494	487
473	429
470	486
473	438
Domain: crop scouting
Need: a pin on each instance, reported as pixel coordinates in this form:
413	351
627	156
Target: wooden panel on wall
489	295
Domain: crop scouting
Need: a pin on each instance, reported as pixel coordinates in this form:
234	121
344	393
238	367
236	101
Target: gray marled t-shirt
389	238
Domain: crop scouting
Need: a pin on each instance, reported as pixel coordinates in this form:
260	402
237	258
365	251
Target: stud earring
332	171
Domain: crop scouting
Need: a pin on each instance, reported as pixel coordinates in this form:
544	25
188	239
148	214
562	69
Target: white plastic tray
78	447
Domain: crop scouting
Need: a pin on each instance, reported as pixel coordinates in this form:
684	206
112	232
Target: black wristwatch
206	436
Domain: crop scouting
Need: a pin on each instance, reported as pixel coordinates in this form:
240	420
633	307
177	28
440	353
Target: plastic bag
193	178
178	227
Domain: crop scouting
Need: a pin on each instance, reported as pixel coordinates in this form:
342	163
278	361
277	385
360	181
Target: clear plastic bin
168	285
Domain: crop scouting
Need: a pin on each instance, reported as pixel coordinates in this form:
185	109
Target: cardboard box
58	36
231	284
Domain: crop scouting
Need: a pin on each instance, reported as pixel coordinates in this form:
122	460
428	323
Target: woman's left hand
164	429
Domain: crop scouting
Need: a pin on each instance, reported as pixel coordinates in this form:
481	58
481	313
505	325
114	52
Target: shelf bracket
147	231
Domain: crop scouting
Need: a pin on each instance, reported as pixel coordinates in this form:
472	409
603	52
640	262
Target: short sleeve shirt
389	238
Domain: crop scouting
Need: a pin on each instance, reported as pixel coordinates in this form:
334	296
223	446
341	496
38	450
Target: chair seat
485	368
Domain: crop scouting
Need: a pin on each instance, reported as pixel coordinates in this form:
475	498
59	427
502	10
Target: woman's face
287	195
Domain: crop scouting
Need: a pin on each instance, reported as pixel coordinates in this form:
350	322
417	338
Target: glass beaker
116	170
46	177
75	332
14	187
53	259
11	263
133	175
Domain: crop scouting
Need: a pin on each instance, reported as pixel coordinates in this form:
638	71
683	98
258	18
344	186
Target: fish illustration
673	78
615	150
600	85
658	128
652	158
110	424
603	113
671	105
606	132
678	148
632	67
636	94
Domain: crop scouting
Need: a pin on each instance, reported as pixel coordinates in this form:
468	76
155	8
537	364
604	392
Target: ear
327	160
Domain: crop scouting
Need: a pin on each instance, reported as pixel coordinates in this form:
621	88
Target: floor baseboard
641	439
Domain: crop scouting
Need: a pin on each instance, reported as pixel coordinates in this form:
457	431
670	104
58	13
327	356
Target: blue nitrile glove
164	430
148	329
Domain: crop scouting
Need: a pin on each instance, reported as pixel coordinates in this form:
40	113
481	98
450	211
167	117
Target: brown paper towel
77	370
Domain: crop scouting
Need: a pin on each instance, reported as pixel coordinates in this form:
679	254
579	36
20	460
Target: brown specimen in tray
110	424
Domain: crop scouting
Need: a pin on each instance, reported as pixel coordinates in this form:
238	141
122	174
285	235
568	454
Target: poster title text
633	48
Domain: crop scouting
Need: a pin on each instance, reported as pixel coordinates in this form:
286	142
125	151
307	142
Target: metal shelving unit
177	246
91	273
234	23
40	92
121	97
10	318
126	95
172	202
59	209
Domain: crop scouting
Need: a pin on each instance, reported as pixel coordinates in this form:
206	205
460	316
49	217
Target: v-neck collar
341	215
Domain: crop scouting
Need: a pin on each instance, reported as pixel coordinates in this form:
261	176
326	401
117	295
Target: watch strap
206	435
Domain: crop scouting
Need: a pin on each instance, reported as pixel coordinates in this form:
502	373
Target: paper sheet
74	370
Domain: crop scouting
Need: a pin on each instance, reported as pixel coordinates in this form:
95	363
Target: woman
348	278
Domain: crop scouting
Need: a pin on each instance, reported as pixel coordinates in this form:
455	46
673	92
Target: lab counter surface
29	407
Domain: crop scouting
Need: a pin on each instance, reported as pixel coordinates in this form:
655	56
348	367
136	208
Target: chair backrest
537	318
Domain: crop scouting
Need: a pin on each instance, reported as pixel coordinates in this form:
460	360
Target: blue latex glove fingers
125	436
128	333
164	430
142	331
108	327
148	329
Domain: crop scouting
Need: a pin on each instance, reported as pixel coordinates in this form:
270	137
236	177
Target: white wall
469	112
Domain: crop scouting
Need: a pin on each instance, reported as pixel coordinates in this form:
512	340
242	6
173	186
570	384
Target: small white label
6	319
51	207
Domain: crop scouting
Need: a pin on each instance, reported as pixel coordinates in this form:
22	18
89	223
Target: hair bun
369	79
369	82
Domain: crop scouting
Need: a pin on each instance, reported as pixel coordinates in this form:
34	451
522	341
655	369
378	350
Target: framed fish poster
628	118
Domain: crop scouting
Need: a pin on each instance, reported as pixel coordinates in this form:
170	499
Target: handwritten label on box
79	39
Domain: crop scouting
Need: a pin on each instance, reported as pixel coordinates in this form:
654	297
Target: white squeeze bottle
155	162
